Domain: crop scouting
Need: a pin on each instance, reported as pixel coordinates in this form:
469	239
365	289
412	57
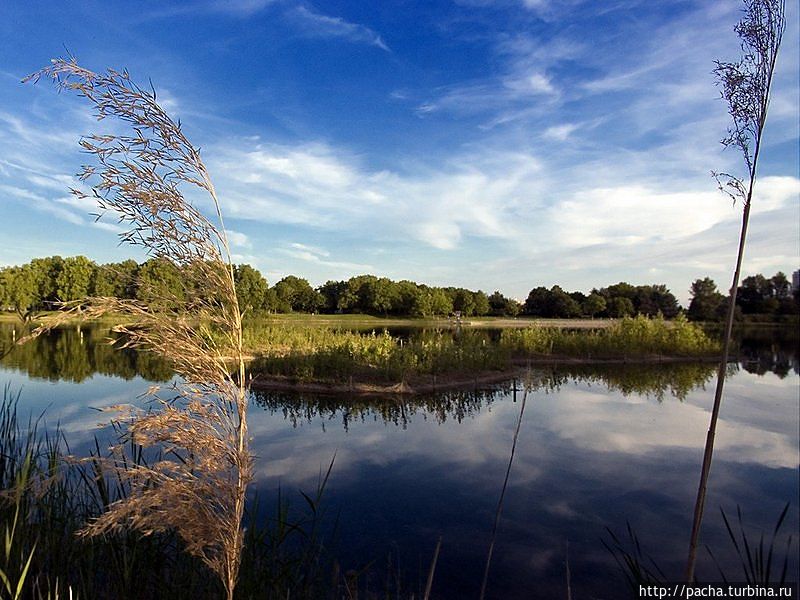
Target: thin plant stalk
429	583
746	87
499	510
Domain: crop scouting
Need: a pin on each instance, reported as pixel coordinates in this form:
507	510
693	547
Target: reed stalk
197	488
746	86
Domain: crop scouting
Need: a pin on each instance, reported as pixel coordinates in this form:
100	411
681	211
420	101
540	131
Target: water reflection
669	380
600	446
76	354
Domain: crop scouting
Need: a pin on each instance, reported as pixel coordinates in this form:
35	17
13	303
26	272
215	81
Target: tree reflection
662	381
75	354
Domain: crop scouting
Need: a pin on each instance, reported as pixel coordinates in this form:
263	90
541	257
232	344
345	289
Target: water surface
598	448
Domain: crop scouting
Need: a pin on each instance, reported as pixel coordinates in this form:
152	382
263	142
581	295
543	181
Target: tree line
44	282
756	296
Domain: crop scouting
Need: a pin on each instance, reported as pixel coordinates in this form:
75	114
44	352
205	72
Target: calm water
598	448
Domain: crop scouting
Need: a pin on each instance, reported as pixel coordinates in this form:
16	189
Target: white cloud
559	133
314	24
618	218
320	256
232	8
238	239
310	249
319	187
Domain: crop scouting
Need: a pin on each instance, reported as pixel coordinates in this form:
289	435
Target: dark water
598	448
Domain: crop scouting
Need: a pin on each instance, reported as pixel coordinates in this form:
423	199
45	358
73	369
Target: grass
763	560
327	354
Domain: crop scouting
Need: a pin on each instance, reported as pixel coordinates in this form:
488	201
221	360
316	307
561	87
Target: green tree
18	290
536	303
75	278
480	303
296	294
422	305
497	304
500	306
251	288
116	279
464	302
405	297
620	307
441	303
561	305
331	292
379	295
753	294
594	304
45	273
356	296
160	281
706	300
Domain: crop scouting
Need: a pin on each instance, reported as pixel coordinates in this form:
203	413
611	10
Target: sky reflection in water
590	456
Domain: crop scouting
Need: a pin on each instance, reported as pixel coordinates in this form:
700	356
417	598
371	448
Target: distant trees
767	296
18	290
43	282
618	300
158	279
75	278
295	294
758	296
648	300
116	279
619	306
500	306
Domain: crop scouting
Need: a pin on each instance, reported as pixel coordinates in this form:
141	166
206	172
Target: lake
598	448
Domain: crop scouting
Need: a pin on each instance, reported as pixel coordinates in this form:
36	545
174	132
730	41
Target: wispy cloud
314	24
320	257
507	98
559	133
233	8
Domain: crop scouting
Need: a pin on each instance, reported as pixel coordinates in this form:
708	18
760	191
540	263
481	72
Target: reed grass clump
198	487
634	337
320	354
308	354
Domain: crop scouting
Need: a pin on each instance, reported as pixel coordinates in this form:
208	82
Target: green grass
630	338
325	354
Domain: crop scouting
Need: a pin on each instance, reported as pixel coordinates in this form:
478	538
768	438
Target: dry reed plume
198	487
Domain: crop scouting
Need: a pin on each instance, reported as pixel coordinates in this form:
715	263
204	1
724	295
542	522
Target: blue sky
493	144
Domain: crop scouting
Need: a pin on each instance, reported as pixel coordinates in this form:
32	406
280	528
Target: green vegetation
759	298
44	282
323	354
635	337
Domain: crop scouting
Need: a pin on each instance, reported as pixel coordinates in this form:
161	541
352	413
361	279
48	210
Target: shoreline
426	384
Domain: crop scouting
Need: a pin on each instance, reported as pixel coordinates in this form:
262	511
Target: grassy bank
333	355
